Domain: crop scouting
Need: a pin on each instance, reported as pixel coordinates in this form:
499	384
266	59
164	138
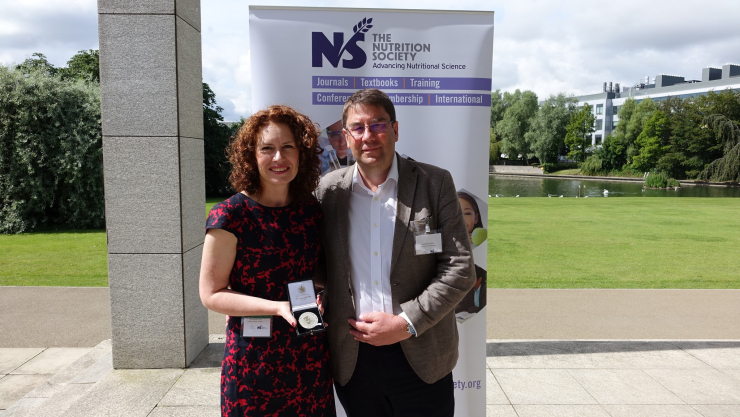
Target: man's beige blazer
425	287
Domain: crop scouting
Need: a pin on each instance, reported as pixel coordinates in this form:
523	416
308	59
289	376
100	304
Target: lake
510	186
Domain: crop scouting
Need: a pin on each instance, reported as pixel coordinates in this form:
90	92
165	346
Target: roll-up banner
436	68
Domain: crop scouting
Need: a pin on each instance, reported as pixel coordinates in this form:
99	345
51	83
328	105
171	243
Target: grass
658	242
575	171
58	258
614	243
62	258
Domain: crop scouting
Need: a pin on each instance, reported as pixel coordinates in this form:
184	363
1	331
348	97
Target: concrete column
151	99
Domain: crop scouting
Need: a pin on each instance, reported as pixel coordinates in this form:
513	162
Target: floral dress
286	374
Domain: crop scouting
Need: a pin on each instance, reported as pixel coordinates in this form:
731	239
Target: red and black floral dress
285	375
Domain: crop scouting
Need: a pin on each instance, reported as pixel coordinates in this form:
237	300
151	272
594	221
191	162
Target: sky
540	45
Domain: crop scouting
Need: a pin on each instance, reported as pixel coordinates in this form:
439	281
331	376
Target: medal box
304	308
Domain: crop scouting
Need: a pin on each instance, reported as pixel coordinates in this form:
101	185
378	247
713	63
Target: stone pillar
151	100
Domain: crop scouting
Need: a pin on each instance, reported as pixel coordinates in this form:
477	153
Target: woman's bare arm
219	253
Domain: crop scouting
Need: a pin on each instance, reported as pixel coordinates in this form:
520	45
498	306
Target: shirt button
375	198
376	253
375	225
376	282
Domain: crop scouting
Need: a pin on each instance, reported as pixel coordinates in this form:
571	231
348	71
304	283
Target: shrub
656	180
549	167
51	160
591	166
673	183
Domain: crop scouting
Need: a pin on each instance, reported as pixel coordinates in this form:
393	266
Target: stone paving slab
50	361
196	387
645	378
652	411
187	411
550	410
11	359
126	393
14	387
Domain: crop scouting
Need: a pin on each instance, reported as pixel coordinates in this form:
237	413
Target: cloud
545	46
55	29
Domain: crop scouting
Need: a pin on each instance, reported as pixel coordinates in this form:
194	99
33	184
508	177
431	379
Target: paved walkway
528	375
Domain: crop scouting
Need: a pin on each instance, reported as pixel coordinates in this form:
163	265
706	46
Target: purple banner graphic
410	99
401	83
460	100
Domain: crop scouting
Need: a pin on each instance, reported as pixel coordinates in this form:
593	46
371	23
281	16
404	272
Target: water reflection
508	186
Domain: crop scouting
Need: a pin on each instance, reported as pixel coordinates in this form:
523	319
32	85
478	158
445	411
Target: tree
578	133
497	113
216	136
37	63
521	108
652	143
635	123
51	159
546	136
83	65
726	168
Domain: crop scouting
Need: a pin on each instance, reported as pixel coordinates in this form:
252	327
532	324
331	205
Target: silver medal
308	320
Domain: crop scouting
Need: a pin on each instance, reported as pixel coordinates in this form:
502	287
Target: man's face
337	139
372	151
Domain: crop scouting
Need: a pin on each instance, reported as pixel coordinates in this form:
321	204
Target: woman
475	300
257	241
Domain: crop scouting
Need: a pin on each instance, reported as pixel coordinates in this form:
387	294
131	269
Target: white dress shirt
372	222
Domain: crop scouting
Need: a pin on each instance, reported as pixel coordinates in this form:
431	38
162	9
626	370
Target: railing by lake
552	186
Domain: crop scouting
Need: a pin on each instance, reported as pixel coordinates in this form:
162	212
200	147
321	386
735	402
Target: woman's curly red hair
245	175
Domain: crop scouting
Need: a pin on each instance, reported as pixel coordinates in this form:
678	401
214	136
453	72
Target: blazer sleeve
455	269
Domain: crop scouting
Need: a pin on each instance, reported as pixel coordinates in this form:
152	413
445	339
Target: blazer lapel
404	203
342	205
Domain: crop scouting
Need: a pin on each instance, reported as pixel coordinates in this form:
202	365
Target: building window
599	109
615	110
598	139
598	124
614	124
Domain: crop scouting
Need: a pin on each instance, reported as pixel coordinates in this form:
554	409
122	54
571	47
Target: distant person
474	300
256	242
338	141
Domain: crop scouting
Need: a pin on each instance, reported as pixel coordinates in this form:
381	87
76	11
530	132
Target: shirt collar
392	175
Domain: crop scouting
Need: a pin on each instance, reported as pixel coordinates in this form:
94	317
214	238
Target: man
392	331
338	142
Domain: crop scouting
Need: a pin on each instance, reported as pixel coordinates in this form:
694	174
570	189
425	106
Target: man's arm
455	267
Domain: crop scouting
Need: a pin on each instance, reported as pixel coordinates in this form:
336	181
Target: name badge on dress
259	326
426	240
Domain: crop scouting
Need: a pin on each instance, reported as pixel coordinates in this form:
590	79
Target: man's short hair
369	97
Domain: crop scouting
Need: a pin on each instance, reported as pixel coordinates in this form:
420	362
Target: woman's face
468	214
277	156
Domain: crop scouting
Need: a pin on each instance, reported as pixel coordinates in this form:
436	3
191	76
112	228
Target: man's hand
379	329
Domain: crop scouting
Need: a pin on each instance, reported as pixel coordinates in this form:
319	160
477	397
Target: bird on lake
606	192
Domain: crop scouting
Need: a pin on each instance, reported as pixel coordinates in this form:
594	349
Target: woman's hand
320	303
283	310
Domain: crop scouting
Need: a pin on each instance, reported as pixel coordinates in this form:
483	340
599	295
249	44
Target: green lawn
575	171
614	243
533	243
68	258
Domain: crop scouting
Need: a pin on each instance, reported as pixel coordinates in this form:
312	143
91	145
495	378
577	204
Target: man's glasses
335	134
359	131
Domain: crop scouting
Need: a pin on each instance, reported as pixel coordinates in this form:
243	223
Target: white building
607	103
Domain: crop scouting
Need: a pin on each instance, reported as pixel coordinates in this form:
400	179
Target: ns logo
323	47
